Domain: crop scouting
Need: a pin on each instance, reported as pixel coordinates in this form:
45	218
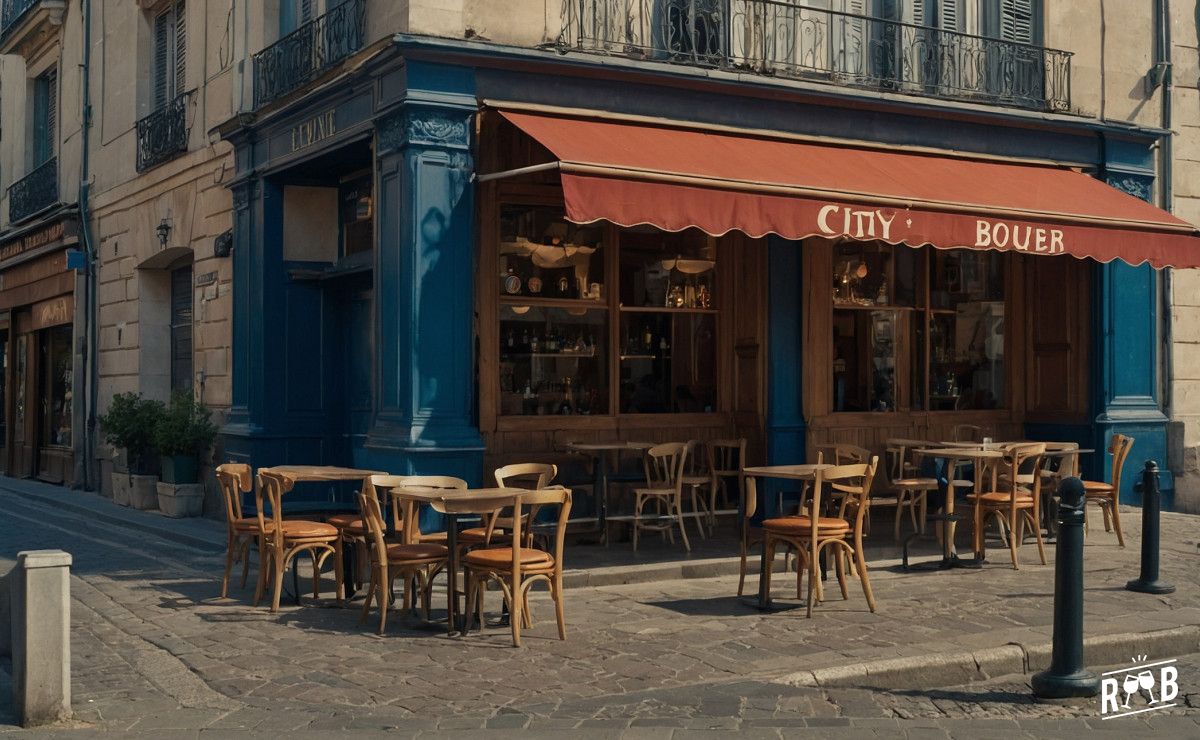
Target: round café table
600	451
951	457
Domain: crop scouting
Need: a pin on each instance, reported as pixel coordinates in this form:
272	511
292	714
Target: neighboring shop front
37	336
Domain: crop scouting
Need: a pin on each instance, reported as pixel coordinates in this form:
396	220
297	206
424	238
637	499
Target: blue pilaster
425	419
1126	378
786	430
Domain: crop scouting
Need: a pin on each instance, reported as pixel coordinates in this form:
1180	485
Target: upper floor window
170	52
45	116
295	13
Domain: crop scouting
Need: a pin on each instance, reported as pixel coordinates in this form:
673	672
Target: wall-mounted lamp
223	244
164	232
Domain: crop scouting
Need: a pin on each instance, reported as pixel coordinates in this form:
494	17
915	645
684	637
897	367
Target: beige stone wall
1185	284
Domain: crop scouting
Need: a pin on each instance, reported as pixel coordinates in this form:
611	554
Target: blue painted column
1127	370
786	430
425	416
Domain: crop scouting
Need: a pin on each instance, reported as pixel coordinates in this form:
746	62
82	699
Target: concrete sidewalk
155	650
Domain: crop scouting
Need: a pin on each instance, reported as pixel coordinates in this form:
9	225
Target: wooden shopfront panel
739	354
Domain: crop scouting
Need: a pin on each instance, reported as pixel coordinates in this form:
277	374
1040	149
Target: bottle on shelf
534	344
663	346
529	400
525	340
647	338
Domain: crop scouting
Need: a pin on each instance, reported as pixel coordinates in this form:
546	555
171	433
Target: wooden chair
810	533
241	531
283	539
352	528
1107	495
909	488
695	477
1020	503
432	481
532	476
419	561
966	433
726	458
515	567
664	465
841	454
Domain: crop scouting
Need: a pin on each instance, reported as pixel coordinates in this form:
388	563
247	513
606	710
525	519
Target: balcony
784	40
24	22
33	193
304	54
162	135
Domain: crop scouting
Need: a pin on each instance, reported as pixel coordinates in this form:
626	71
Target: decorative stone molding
1136	185
424	126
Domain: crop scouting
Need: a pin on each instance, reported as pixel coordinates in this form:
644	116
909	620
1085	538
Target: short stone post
41	636
1148	582
1066	676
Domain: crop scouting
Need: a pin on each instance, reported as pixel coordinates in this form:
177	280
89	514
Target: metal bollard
1066	676
1148	582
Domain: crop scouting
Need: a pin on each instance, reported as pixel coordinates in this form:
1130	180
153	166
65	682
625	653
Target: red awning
674	178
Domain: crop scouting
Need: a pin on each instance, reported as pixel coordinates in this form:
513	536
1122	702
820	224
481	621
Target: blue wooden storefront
295	357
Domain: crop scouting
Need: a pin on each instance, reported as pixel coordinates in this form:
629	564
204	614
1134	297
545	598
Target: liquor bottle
567	405
511	340
525	340
529	400
662	346
647	339
534	344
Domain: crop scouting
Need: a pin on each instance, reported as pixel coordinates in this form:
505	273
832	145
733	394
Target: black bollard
1148	582
1066	676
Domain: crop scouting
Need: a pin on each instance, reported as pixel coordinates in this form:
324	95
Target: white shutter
1016	20
51	111
950	15
180	61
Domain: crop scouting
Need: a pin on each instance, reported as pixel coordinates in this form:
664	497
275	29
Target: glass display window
542	255
553	361
668	270
668	362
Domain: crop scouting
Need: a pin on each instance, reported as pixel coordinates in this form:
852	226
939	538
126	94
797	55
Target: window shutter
916	13
162	57
51	111
180	48
306	11
1017	21
949	15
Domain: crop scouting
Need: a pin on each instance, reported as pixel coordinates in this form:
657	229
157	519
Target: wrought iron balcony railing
162	135
308	51
782	39
35	192
12	12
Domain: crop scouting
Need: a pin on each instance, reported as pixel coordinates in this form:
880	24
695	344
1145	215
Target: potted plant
183	437
129	427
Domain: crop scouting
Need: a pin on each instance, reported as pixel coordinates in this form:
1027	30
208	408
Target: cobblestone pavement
155	652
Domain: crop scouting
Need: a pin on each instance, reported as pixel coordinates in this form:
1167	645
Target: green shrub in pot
183	437
129	424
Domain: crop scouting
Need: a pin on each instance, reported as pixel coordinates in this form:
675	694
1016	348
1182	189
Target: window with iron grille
45	116
170	53
181	328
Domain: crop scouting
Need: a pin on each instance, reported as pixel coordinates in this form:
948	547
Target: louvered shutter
162	58
180	61
950	16
51	111
306	11
1017	20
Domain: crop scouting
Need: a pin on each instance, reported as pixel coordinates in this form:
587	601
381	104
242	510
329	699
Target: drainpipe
1162	73
84	468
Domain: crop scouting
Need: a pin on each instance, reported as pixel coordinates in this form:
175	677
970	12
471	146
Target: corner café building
452	256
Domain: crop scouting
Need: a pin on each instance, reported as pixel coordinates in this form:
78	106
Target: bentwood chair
518	475
283	539
695	477
726	458
966	433
910	488
840	453
241	531
352	528
517	568
449	483
1020	503
664	464
810	533
414	560
1107	495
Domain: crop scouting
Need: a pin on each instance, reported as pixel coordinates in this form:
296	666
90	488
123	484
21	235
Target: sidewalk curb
168	529
955	668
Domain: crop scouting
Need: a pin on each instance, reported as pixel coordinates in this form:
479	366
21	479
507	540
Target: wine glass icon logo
1146	681
1130	685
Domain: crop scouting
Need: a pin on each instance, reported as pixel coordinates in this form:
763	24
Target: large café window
917	329
599	320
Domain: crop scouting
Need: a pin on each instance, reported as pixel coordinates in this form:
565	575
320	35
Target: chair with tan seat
516	567
283	539
664	465
241	531
449	483
352	528
1107	495
811	533
1019	504
910	489
695	477
530	476
415	561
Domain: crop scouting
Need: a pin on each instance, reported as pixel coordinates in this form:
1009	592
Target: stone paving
155	652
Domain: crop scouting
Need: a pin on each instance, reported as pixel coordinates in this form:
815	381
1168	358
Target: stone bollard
40	596
1148	582
1066	677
